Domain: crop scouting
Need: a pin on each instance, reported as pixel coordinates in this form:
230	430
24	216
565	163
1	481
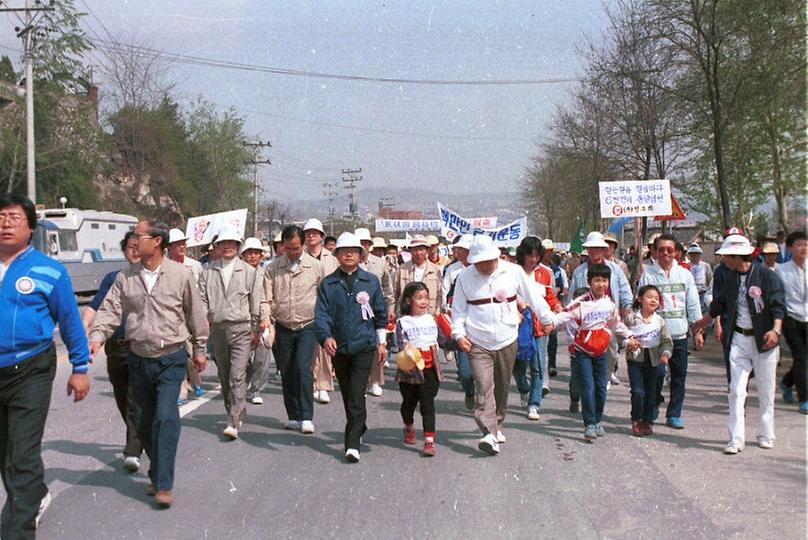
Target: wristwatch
778	332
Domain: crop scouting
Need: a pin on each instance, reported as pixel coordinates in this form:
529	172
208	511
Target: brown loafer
163	498
151	490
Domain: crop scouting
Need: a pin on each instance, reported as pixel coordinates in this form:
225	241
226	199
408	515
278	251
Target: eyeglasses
12	219
666	250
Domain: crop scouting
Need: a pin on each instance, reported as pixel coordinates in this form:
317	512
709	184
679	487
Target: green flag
576	246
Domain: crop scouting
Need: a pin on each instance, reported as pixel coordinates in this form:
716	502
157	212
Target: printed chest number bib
647	334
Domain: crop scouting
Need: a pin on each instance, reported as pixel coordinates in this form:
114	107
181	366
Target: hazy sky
474	138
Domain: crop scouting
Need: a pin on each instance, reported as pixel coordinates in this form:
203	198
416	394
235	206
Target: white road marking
194	404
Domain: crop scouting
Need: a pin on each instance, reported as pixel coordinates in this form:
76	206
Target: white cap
595	239
378	242
735	244
694	248
228	233
465	241
483	249
252	243
363	234
432	240
418	240
547	244
349	240
176	235
314	224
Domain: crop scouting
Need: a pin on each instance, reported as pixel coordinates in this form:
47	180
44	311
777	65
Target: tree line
707	93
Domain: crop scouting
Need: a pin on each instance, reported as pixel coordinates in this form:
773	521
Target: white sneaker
375	390
323	397
386	364
307	427
501	438
43	505
131	463
533	413
766	444
352	455
257	400
230	433
731	448
293	425
489	445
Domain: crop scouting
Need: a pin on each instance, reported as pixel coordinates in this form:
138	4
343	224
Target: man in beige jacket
419	268
231	294
289	295
159	302
322	368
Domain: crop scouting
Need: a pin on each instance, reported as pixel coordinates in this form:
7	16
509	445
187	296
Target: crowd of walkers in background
319	310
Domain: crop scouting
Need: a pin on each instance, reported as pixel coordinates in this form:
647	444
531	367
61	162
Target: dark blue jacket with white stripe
35	295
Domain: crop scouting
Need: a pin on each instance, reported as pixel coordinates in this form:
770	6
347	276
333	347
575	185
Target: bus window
67	241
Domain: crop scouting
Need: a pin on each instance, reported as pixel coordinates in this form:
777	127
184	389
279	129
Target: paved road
547	481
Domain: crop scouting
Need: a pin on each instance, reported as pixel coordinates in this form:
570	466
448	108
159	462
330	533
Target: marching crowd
320	308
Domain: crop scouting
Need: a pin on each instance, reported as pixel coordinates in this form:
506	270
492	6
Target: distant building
393	213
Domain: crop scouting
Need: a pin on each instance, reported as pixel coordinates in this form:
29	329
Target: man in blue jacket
35	295
350	318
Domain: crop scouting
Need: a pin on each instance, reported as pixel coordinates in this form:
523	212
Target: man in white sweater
485	323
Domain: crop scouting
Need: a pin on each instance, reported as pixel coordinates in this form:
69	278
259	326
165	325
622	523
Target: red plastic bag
593	342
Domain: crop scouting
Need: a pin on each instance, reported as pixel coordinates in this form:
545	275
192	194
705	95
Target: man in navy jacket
350	318
753	302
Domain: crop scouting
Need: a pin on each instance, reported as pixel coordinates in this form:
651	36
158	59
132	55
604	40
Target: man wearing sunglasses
680	308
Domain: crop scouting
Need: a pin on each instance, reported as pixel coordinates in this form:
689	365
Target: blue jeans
592	377
643	378
294	355
155	384
533	387
464	371
678	370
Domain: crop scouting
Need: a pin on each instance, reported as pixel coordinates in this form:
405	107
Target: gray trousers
492	378
258	369
231	347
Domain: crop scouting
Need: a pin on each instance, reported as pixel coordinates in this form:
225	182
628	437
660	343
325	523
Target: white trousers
743	357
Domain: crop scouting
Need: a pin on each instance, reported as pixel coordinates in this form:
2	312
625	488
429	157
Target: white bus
86	242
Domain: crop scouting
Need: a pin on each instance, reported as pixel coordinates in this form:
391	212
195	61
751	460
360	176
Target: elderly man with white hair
485	323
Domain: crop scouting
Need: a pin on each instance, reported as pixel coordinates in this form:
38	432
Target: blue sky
491	131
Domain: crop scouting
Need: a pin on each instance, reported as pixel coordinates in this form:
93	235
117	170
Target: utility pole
349	178
330	192
256	148
26	32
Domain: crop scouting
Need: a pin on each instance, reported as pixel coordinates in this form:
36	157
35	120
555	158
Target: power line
227	64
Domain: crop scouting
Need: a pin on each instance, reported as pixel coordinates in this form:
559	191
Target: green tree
7	73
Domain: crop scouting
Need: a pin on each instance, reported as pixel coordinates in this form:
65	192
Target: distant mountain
507	206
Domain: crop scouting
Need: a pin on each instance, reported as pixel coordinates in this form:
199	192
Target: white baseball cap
252	243
464	242
694	248
349	240
228	233
176	235
547	244
363	234
315	224
418	240
595	239
483	249
735	244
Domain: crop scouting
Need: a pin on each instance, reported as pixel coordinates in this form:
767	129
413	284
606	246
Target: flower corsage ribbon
757	298
364	301
501	296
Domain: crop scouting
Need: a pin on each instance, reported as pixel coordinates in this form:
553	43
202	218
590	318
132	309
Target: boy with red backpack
597	318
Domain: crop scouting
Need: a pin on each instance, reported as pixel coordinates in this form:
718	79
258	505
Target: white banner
452	225
635	198
412	225
201	229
